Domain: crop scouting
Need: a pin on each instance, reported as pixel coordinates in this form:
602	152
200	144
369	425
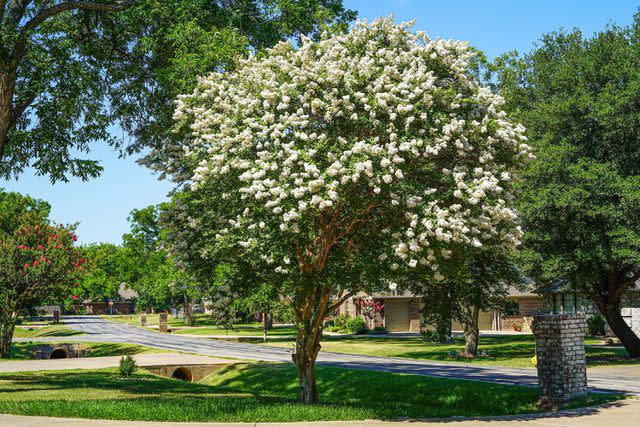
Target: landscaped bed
509	351
261	393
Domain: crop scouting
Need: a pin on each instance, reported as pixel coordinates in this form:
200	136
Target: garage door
485	322
396	315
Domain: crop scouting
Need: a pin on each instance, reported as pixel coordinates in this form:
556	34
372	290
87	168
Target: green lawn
27	331
241	330
260	393
511	351
24	350
205	326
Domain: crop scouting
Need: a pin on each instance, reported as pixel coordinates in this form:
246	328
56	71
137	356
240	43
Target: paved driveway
97	329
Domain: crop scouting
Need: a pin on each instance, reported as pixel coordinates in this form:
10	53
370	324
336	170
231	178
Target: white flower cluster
379	115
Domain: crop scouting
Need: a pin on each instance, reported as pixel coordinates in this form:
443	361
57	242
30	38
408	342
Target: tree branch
47	12
20	107
16	10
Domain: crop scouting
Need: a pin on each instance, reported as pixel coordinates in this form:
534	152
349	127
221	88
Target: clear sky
102	205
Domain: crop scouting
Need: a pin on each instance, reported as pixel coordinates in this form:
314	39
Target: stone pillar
56	316
162	322
560	354
143	319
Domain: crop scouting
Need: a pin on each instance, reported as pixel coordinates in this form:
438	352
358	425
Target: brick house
559	298
401	311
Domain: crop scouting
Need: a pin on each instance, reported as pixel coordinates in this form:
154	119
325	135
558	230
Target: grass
25	331
260	393
508	351
204	326
24	350
241	330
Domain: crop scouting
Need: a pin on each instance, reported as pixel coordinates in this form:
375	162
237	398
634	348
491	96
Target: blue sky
102	205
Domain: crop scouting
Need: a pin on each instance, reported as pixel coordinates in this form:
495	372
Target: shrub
454	354
340	322
127	366
433	336
596	325
378	330
356	326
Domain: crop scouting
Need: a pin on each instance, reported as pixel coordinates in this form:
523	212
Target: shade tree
325	168
480	282
72	70
580	199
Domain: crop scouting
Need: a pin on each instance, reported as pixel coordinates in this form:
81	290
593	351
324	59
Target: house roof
126	293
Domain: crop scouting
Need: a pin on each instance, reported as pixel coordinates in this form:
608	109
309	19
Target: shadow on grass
260	393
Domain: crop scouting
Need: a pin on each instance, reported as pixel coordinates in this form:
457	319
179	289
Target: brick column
143	319
162	322
56	316
561	361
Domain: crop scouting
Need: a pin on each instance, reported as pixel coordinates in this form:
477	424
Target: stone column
162	322
143	319
561	361
56	316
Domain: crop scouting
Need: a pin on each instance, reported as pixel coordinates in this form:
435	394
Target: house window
569	303
557	303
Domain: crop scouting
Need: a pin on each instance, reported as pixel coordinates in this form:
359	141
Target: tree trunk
6	334
443	328
269	321
6	109
265	327
188	313
307	348
625	334
471	333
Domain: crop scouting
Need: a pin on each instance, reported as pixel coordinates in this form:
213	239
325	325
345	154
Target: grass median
261	393
507	351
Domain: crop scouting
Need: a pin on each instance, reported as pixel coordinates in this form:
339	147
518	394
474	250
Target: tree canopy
38	262
325	167
580	201
71	71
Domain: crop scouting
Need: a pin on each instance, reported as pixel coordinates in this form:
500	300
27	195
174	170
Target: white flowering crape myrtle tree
328	168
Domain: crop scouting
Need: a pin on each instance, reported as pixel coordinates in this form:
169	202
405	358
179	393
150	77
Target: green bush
378	330
127	366
356	326
433	336
340	322
596	325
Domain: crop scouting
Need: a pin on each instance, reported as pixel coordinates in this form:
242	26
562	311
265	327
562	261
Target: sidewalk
621	414
106	362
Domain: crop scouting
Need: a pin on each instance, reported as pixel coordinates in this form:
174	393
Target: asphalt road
96	329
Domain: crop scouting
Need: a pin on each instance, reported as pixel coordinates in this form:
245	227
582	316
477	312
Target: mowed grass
205	325
508	351
260	393
25	350
240	330
26	331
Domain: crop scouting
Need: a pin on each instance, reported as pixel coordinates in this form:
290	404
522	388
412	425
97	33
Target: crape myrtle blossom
345	163
380	115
